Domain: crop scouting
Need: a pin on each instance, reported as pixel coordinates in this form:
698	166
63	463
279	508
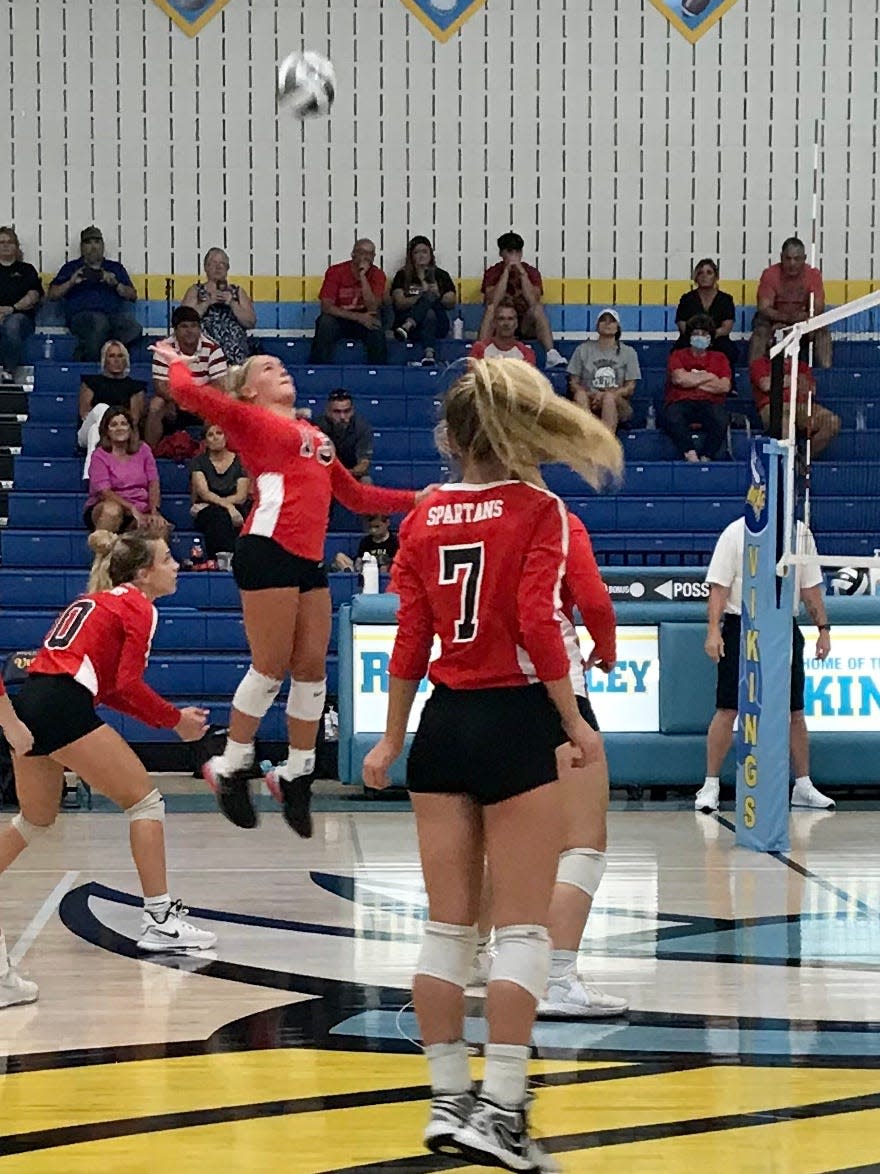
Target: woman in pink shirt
124	491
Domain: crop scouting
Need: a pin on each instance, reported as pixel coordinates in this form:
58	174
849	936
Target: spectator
112	388
206	361
698	381
94	291
821	425
380	541
220	488
707	298
602	374
351	434
20	293
226	311
784	295
512	278
724	577
503	343
352	298
421	294
124	489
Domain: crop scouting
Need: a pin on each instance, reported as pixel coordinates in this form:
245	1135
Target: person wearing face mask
697	384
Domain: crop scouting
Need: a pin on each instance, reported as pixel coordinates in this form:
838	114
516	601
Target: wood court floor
751	1046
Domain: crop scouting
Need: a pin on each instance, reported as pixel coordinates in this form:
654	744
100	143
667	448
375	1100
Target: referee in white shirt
724	577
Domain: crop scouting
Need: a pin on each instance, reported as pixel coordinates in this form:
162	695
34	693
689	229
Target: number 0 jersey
103	642
481	566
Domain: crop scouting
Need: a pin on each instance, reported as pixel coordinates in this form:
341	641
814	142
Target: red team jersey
294	468
482	566
583	588
103	642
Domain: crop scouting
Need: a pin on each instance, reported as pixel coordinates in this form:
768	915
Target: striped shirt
207	365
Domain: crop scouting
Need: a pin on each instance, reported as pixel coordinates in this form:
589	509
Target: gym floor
753	980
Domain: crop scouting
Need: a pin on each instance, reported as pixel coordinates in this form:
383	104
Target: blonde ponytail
506	410
237	377
118	558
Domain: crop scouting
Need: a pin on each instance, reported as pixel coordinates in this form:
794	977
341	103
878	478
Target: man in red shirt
697	383
512	278
351	306
789	292
503	343
821	424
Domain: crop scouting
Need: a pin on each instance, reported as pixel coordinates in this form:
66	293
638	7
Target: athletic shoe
482	964
493	1136
233	791
402	331
554	359
708	797
448	1113
14	989
171	932
570	997
295	797
806	795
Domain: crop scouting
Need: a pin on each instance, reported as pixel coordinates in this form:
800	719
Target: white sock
448	1064
712	780
237	755
299	762
506	1074
803	781
157	906
4	960
562	962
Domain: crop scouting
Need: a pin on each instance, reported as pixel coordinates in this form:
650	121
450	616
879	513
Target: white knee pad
448	952
152	806
522	956
27	830
583	868
305	702
255	693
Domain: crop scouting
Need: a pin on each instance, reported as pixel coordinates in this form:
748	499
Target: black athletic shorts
490	744
56	709
727	693
260	563
586	712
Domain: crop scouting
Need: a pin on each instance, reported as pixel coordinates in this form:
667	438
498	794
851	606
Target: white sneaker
14	989
570	997
708	797
448	1114
479	975
494	1136
172	933
554	359
807	795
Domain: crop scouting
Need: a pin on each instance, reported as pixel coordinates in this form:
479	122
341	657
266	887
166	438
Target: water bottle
48	347
861	420
458	328
197	554
651	419
370	572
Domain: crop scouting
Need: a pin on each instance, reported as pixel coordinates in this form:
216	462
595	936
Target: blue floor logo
692	18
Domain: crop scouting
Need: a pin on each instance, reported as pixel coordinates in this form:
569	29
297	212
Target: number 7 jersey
481	566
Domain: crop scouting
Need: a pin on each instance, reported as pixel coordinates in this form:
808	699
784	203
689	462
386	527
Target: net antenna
790	346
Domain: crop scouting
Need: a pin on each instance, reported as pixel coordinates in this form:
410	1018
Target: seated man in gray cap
94	292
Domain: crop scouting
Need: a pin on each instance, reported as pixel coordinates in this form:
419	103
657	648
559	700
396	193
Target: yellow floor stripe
144	1088
310	1143
814	1146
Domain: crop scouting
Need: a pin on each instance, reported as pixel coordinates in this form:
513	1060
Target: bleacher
665	513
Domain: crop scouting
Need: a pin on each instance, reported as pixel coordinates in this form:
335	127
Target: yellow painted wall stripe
558	291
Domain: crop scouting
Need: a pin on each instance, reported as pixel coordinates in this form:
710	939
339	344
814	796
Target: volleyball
850	581
306	84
